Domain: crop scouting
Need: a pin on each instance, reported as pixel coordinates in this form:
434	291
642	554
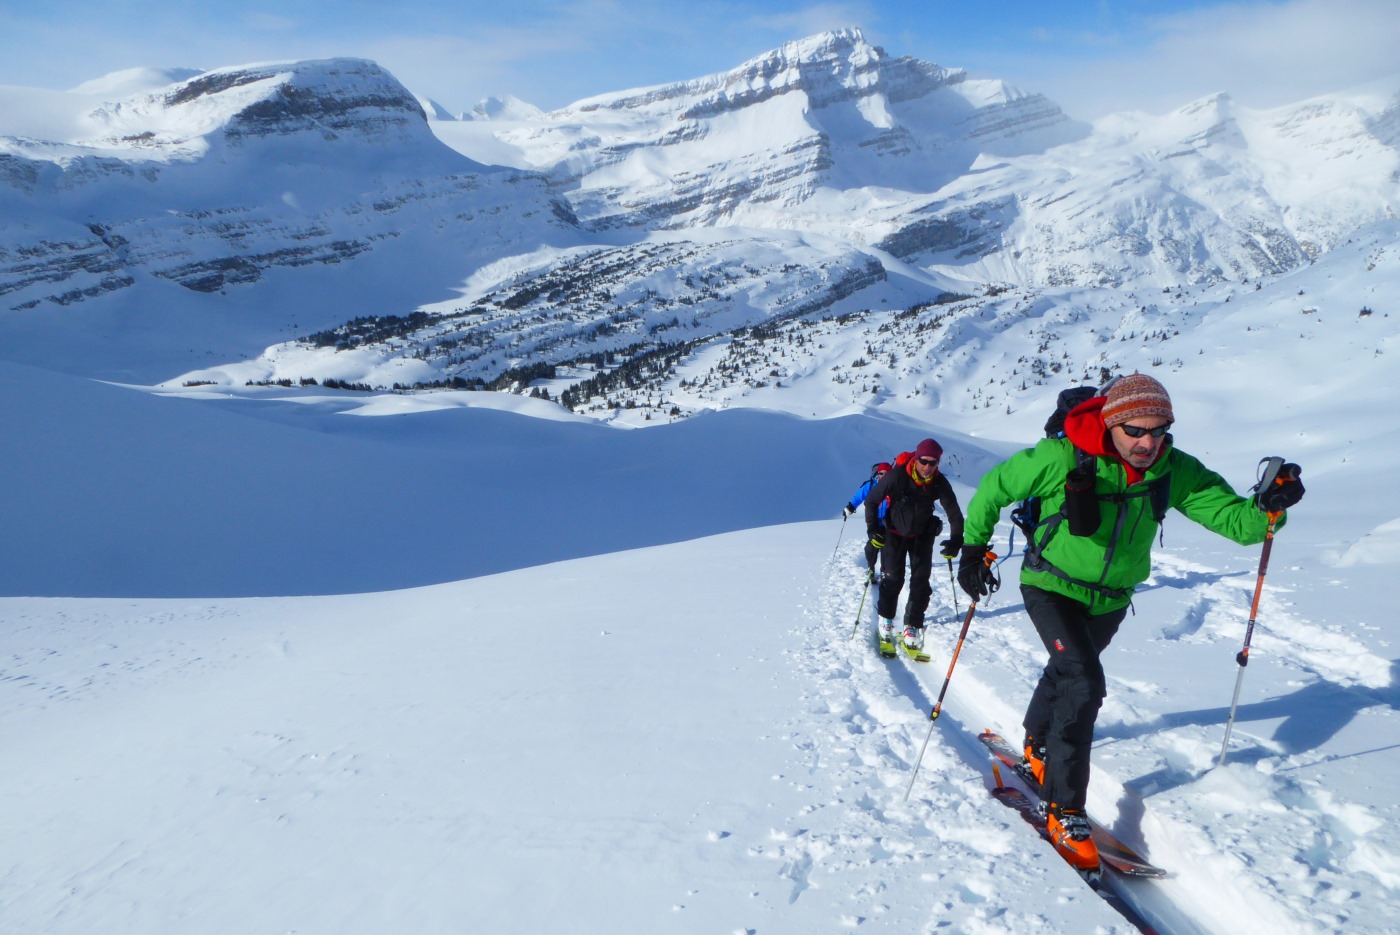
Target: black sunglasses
1137	431
928	461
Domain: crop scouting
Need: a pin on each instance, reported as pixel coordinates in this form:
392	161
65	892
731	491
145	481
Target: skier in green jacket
1104	491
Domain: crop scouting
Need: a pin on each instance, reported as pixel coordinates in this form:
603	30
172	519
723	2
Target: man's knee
1079	682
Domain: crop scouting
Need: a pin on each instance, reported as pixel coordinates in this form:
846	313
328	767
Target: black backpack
1026	515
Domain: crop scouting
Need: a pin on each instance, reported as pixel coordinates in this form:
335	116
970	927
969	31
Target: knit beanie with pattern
1136	396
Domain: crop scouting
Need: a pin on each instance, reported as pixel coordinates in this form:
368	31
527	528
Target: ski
918	655
885	646
1114	854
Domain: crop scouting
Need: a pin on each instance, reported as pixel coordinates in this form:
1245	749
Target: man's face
926	467
1140	451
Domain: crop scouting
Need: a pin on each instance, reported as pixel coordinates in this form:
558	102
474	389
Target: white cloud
1263	54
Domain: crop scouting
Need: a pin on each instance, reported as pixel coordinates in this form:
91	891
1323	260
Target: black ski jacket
911	506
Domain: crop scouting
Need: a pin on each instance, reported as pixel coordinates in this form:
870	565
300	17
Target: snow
299	660
467	661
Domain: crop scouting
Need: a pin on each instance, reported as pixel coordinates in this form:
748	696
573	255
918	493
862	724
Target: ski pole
1242	657
933	715
838	537
938	705
967	622
953	583
869	576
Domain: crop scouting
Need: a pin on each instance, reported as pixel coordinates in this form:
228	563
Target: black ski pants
917	551
1066	701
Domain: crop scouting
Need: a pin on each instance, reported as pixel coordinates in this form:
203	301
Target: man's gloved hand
974	574
847	510
950	548
1286	490
877	539
935	525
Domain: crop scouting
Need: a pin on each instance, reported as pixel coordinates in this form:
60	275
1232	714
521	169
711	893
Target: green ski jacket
1118	556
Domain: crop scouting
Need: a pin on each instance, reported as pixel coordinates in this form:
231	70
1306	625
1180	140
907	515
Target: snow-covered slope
241	174
674	727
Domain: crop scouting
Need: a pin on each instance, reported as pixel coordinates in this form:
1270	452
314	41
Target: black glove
974	574
877	539
935	525
1285	491
950	547
847	510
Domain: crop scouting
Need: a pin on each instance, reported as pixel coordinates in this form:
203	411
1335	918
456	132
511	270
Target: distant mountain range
374	240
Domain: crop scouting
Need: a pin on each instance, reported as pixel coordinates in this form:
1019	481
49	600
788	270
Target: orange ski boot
1069	830
1034	755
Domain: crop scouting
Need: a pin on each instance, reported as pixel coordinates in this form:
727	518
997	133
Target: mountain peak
829	67
823	46
505	107
328	97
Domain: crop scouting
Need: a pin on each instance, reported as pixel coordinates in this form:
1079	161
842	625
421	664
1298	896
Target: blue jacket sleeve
861	494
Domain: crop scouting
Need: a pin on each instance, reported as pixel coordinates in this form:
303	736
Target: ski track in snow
950	837
1147	769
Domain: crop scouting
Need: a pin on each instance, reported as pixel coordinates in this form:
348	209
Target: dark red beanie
928	448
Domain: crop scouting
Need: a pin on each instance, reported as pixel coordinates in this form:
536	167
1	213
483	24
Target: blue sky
1091	56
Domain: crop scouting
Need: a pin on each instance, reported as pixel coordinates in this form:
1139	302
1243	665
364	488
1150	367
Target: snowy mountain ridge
745	146
218	180
823	179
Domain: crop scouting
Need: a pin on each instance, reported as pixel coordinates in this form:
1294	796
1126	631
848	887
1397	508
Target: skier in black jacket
913	488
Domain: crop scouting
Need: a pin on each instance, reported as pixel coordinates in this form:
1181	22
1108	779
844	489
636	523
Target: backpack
900	460
1026	515
1080	510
